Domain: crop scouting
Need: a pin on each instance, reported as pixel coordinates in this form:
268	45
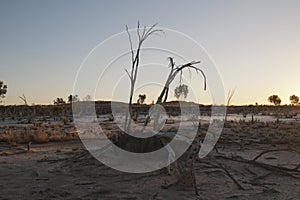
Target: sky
254	45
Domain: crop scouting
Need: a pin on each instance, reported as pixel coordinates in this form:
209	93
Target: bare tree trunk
135	61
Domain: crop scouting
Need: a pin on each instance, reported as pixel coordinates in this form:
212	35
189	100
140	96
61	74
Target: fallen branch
280	170
297	167
9	153
268	151
232	178
220	166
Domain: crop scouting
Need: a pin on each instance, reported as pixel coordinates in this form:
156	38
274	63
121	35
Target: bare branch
135	61
204	77
172	64
127	73
138	30
180	78
153	32
130	41
144	31
268	151
151	29
190	65
23	98
230	96
190	72
232	178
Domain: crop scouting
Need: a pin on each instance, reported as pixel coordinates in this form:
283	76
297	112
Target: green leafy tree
73	98
87	98
59	101
294	99
181	90
3	90
275	99
141	99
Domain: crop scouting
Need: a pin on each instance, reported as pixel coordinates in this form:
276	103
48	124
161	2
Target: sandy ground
236	171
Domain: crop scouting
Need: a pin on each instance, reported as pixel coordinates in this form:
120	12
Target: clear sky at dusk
254	44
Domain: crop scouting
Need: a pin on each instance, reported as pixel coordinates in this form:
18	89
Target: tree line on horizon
181	90
276	100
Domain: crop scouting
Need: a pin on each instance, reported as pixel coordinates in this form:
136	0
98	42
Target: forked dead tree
185	165
186	170
143	34
174	71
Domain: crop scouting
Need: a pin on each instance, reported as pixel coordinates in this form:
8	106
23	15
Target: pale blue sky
255	44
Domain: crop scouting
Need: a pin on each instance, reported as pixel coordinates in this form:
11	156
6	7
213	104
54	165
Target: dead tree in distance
23	98
230	95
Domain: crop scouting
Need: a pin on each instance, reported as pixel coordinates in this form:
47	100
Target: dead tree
174	71
23	98
142	34
230	95
185	166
